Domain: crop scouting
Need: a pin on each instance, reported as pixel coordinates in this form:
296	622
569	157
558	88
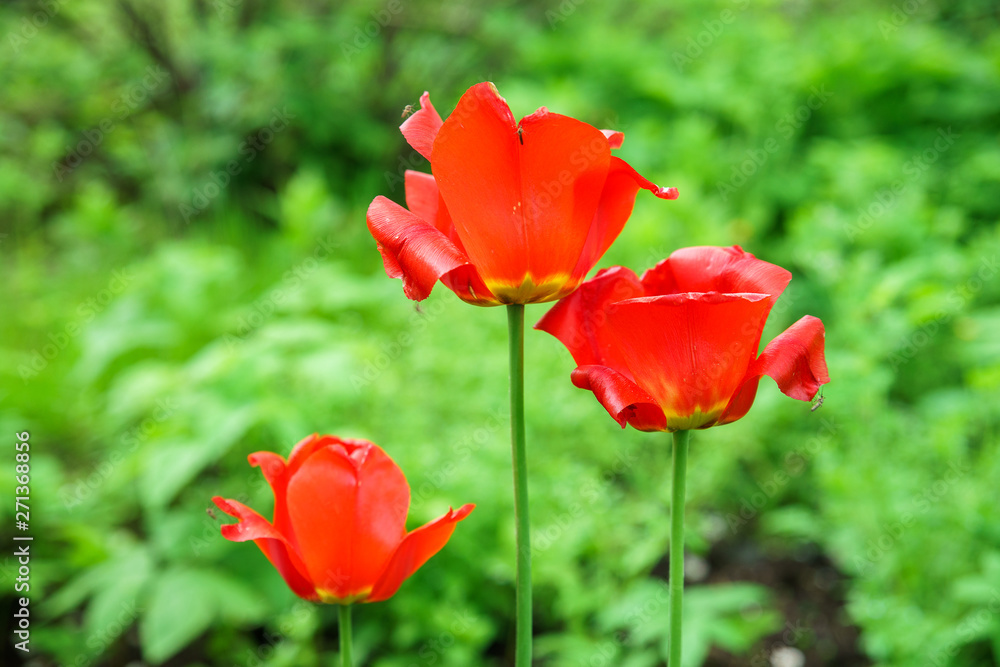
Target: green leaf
184	603
181	606
168	469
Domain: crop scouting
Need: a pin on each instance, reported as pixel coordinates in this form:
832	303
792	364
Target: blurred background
188	278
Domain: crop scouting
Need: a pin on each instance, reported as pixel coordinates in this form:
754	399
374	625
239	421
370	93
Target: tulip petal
615	138
794	359
414	551
564	168
420	254
347	504
579	320
422	127
277	472
522	196
624	400
613	210
424	200
686	352
713	269
271	541
475	164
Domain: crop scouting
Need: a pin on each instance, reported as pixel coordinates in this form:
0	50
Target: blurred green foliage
188	278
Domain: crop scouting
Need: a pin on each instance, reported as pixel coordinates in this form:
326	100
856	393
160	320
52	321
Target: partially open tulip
515	212
339	530
677	349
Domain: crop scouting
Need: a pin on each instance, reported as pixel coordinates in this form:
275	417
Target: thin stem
677	545
345	635
515	329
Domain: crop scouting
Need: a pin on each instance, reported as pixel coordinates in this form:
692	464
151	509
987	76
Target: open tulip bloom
515	212
676	350
339	530
512	213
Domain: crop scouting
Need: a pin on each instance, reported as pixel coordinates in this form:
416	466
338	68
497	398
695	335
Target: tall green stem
677	545
345	635
515	329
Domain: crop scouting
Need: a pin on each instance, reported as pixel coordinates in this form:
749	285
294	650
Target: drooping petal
613	210
271	541
690	351
625	401
715	269
347	504
415	549
420	254
579	320
794	359
422	127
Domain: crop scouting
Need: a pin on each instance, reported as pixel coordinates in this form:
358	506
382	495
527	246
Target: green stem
515	329
345	635
677	545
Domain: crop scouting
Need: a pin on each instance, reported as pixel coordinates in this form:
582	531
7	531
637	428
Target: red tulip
677	349
514	212
339	531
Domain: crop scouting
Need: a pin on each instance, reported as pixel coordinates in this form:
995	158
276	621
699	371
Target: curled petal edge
416	549
625	401
420	254
795	360
422	127
275	546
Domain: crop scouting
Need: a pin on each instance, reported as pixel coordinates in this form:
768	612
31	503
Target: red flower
339	531
514	213
678	349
